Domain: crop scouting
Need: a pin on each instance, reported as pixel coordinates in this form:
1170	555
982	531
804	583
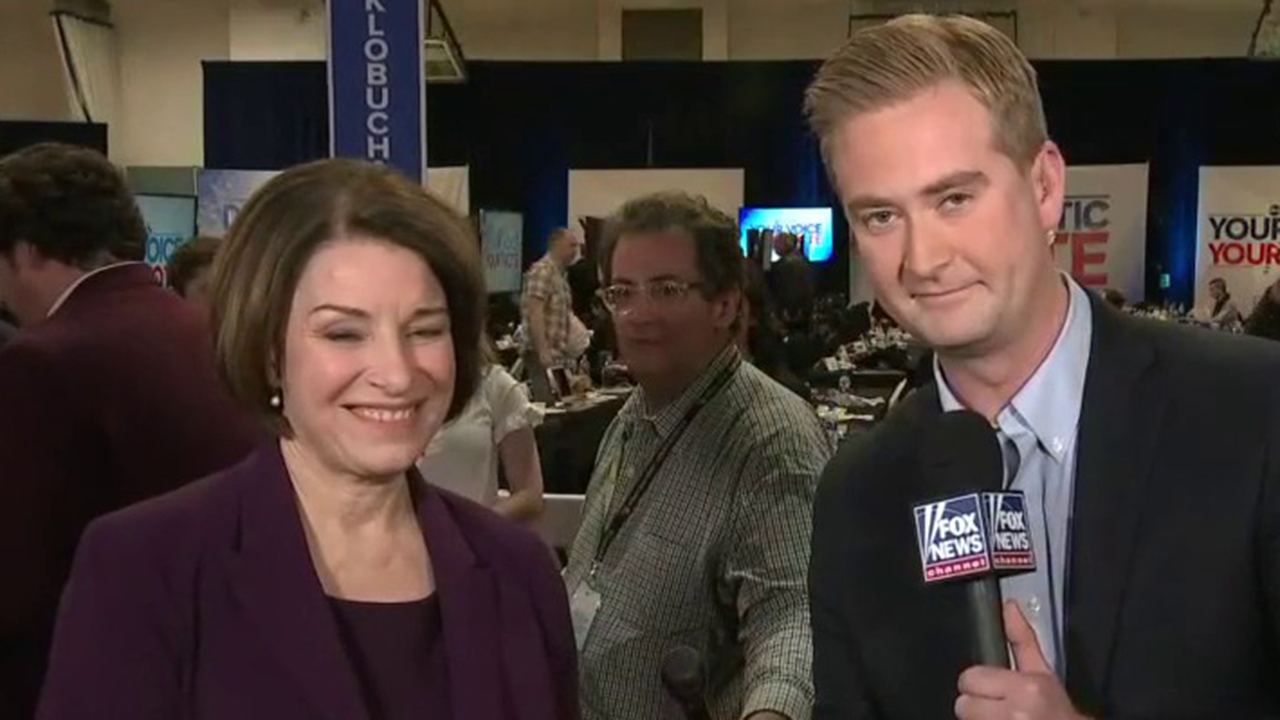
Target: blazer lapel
1119	425
273	578
469	609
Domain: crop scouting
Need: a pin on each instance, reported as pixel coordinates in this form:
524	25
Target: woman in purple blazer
322	578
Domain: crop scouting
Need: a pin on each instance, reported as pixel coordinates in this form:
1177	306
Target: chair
560	519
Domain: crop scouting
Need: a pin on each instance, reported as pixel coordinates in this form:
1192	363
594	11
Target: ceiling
515	12
524	6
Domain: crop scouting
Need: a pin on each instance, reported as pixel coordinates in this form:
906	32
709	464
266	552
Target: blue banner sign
376	90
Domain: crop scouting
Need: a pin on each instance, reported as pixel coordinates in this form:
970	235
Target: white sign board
1238	232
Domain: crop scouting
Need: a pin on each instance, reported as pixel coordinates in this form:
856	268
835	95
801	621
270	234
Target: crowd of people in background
1222	313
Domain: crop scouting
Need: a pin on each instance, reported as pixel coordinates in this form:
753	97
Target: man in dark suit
791	282
108	395
1265	320
1157	592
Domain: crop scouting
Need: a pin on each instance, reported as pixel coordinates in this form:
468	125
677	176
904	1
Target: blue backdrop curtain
521	126
264	115
17	134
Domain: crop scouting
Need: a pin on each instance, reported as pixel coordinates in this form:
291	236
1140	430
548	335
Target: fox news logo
1010	539
952	538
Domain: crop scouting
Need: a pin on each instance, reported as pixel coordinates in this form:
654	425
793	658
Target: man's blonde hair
890	63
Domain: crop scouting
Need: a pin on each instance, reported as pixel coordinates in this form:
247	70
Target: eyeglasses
663	293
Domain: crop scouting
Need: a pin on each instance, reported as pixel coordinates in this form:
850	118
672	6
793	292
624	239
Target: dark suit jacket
204	603
7	332
792	284
1264	322
111	400
1173	586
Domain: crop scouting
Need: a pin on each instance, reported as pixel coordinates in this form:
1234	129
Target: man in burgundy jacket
108	394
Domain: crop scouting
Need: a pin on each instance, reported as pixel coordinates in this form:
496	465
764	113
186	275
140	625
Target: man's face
954	235
1217	291
567	249
666	335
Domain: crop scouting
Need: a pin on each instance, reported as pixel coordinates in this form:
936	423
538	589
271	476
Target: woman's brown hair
256	272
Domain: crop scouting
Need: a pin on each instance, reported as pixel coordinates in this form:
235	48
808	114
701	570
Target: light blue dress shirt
1038	431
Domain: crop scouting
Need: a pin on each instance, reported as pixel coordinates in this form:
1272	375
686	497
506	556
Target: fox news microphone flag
968	529
1008	537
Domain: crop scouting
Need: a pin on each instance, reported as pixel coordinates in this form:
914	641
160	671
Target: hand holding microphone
1032	691
970	531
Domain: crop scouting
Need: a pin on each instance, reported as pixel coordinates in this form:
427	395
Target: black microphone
684	676
968	530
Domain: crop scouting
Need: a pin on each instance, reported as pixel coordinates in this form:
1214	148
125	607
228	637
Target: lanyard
642	484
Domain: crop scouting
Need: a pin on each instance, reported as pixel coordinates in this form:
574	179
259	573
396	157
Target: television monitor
813	225
501	243
171	222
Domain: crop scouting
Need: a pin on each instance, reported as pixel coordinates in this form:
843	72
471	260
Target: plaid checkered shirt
545	283
715	555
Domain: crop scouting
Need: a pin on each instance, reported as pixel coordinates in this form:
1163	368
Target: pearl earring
276	399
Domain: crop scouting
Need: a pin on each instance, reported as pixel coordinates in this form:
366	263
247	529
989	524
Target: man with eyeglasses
696	525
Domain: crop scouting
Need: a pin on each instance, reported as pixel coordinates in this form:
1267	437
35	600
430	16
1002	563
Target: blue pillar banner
376	90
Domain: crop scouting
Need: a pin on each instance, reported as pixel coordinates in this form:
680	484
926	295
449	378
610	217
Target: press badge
583	606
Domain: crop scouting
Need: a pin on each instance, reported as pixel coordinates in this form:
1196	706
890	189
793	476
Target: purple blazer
204	603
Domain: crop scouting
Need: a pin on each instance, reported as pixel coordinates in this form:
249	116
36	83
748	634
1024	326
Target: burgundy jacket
111	400
205	603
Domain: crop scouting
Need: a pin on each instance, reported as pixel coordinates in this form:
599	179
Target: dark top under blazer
1173	585
204	603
